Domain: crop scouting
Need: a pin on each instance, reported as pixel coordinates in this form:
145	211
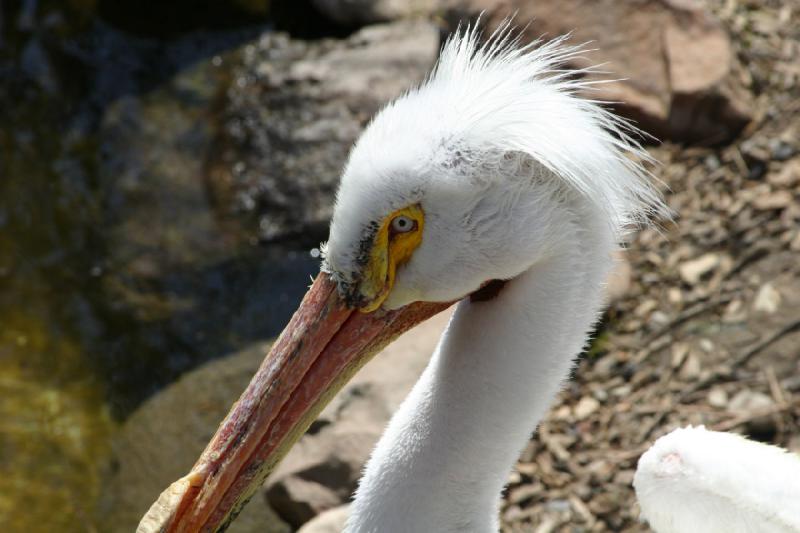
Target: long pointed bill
322	347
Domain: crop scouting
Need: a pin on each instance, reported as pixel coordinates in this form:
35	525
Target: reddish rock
673	58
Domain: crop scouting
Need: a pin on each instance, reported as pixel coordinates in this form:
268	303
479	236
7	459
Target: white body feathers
698	480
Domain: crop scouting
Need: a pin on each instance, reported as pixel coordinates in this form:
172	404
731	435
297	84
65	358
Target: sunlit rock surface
160	442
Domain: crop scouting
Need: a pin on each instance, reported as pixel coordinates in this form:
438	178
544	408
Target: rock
619	280
678	354
690	370
717	397
586	407
768	299
291	115
161	440
323	468
692	271
359	12
748	401
787	176
794	244
603	504
331	521
673	60
299	500
773	200
181	283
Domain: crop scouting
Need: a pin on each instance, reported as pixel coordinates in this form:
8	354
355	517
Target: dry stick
753	255
653	423
791	327
775	388
582	510
728	425
743	359
552	445
699	308
687	314
656	421
737	232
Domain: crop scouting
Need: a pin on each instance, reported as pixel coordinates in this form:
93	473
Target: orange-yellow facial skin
389	250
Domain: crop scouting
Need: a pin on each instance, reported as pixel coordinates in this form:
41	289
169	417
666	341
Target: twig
785	330
582	510
731	423
688	314
743	359
552	445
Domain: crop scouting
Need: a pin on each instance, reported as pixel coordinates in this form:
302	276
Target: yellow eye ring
403	224
394	243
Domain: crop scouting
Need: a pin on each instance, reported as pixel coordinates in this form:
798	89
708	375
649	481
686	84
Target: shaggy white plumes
511	98
490	114
698	480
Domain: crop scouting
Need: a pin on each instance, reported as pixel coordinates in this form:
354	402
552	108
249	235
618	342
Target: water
115	274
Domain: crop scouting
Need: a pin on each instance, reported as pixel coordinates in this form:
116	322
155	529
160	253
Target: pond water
116	275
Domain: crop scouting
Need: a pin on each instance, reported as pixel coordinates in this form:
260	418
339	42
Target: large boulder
291	115
179	285
161	440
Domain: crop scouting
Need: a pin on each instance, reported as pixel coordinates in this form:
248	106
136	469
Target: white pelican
492	184
698	480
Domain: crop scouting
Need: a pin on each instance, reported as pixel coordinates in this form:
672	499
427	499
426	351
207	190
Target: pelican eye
403	224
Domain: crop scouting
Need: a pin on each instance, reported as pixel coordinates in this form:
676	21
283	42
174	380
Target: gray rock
749	402
168	252
358	12
331	521
291	115
161	440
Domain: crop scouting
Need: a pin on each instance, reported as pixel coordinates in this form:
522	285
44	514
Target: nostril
669	464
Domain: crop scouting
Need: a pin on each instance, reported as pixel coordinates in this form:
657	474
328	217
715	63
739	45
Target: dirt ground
709	330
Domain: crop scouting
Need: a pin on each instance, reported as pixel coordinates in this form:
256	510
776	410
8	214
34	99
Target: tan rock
773	200
331	521
691	368
717	397
787	176
768	299
355	12
586	407
161	440
747	402
692	271
619	280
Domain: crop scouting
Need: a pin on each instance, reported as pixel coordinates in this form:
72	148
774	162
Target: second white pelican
492	184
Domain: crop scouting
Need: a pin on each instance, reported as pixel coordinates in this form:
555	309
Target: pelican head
463	179
476	175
